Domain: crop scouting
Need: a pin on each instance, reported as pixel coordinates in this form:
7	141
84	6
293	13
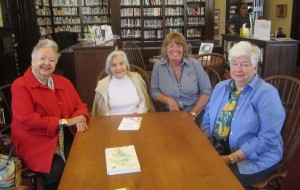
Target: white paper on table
130	123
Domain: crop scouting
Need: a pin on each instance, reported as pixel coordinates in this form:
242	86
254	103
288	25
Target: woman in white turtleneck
122	91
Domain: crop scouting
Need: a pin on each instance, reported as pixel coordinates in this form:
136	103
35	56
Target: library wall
283	22
1	21
221	6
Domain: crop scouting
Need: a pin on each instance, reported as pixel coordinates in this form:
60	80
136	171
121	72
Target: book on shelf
130	123
120	160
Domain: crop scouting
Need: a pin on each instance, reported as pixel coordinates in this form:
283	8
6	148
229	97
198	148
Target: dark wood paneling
279	57
89	62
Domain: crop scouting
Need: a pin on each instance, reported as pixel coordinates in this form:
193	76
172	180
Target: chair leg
34	183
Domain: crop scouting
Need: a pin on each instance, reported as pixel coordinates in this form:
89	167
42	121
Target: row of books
180	30
65	11
193	33
45	30
44	21
64	3
69	28
157	34
95	10
131	33
152	2
130	12
193	21
94	2
174	21
41	2
130	2
174	11
152	11
45	11
195	10
131	22
153	34
96	19
195	0
66	20
173	2
153	23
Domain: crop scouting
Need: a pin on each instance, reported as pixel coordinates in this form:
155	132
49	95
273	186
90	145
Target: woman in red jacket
45	107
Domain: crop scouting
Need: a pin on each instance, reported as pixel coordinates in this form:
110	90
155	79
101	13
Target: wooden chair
215	61
214	77
5	141
289	91
134	54
133	68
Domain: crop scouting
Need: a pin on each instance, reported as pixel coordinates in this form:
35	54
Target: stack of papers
120	160
130	123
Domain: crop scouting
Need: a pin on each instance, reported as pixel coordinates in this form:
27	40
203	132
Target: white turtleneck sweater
123	97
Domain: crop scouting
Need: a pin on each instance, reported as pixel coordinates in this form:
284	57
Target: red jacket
36	113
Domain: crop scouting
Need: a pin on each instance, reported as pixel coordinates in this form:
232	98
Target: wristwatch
193	113
231	159
63	122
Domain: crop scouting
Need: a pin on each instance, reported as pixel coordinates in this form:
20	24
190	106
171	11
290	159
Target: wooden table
172	151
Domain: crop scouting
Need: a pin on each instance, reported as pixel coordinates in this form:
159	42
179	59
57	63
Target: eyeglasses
44	59
243	65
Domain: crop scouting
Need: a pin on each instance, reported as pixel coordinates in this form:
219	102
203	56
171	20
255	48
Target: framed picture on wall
281	10
217	14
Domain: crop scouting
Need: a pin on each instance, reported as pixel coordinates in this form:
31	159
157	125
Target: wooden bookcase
55	16
277	57
255	8
151	20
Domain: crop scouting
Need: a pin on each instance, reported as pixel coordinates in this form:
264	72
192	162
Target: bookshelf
151	20
43	16
55	16
255	8
277	57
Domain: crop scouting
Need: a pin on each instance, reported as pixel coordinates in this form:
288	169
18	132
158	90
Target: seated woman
46	109
178	80
244	117
122	91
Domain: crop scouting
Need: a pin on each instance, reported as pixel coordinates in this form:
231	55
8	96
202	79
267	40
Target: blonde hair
177	38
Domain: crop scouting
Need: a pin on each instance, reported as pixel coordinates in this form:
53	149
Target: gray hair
245	48
113	55
45	43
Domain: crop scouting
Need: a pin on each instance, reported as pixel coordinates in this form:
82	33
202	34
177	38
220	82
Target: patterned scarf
223	125
50	82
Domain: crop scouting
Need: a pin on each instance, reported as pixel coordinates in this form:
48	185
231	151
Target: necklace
50	82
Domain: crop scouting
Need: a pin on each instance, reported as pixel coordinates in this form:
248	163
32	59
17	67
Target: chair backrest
289	91
215	61
214	77
5	118
5	102
134	54
133	68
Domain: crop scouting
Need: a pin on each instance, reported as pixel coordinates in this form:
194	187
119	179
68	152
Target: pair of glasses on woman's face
44	59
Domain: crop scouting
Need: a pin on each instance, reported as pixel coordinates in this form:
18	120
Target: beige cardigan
101	104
